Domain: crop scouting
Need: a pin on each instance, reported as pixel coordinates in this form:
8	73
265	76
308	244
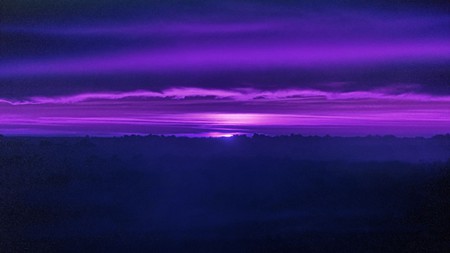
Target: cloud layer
177	67
266	45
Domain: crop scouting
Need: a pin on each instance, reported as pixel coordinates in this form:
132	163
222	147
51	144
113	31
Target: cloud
282	39
222	45
242	94
231	57
316	24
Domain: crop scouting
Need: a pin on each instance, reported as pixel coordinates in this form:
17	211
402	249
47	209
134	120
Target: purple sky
214	69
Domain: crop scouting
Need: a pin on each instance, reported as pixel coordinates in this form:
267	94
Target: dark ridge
298	147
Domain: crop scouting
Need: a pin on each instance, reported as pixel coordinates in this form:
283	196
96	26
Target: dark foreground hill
240	194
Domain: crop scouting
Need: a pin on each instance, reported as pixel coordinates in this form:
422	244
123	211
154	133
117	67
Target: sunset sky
217	68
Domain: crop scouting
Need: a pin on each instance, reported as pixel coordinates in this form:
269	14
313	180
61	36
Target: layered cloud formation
273	67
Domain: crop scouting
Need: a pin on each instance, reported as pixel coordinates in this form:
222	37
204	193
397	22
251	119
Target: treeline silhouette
239	194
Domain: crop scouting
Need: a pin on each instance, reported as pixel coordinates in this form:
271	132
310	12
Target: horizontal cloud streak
331	22
243	94
233	58
144	29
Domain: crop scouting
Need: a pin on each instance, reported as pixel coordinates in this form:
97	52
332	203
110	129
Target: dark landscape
238	194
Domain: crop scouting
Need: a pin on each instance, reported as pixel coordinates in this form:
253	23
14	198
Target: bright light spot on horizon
220	135
236	118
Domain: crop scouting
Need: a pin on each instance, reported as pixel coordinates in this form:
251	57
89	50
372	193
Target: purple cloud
233	57
243	94
283	39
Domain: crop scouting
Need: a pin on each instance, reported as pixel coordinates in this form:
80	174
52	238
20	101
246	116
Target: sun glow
236	118
221	134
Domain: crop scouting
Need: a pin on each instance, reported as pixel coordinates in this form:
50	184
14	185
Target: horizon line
226	136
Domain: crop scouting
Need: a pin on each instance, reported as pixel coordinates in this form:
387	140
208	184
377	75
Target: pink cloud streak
243	94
